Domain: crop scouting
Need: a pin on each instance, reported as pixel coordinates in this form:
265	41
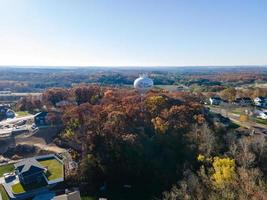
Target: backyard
19	188
6	169
3	193
22	113
54	171
54	168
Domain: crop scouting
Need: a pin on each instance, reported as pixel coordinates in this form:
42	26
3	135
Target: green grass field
54	167
18	188
238	111
22	113
6	169
261	121
3	193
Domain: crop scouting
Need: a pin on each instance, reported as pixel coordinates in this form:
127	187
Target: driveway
16	119
2	180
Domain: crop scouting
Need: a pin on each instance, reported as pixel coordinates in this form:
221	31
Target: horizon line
127	66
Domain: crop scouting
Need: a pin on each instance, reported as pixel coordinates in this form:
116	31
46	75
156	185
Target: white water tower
143	83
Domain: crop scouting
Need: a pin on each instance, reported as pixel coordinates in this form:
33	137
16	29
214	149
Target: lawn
238	111
3	193
54	167
6	169
261	121
19	188
22	113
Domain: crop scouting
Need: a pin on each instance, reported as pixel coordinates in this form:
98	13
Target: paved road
20	94
259	128
5	133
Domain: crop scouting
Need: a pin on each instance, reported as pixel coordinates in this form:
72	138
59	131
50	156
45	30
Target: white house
215	100
260	101
262	115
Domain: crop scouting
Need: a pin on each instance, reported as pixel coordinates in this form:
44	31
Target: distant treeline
39	79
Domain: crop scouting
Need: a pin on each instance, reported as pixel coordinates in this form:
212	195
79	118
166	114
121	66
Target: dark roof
217	98
243	99
41	114
26	164
261	98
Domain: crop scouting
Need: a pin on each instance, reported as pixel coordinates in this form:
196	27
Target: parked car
34	126
21	122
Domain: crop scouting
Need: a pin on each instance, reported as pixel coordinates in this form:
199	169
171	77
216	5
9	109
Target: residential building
244	101
6	112
215	100
29	171
260	101
10	113
262	115
40	119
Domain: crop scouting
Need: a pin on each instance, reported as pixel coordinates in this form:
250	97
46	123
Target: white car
262	115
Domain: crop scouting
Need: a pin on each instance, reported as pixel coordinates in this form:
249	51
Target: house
29	171
244	101
215	100
40	119
260	101
10	113
4	107
6	112
34	177
262	115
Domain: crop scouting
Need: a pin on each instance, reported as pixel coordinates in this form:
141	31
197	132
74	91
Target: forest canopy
164	145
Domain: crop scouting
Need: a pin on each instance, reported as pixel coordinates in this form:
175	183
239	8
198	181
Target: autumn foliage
162	141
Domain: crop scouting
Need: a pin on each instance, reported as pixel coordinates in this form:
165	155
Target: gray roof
26	164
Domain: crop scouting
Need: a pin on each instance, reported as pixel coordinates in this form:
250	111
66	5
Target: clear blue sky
133	32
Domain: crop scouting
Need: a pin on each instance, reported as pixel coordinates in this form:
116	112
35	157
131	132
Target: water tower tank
143	83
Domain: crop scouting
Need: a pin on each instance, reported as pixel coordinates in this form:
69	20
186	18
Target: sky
133	32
